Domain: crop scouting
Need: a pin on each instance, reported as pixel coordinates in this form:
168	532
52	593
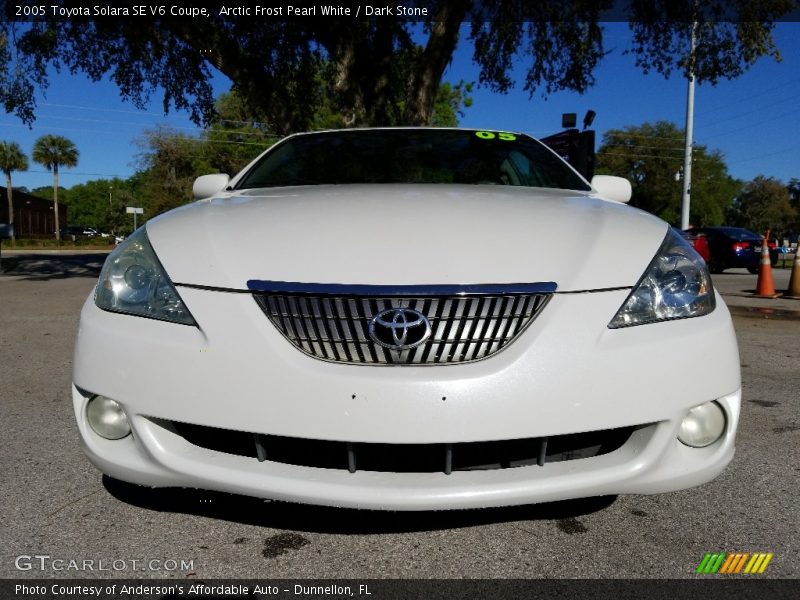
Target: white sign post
131	210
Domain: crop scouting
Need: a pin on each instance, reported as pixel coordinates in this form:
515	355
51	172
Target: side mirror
613	188
206	186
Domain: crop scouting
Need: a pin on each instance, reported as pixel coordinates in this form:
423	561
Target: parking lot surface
55	504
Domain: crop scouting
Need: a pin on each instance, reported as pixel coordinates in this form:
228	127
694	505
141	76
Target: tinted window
734	233
738	233
412	156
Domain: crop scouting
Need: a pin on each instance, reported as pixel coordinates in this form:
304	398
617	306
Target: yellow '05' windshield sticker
490	135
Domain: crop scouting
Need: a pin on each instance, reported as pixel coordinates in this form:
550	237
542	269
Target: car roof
737	232
406	128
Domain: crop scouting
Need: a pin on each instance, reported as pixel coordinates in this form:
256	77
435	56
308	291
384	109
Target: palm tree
53	151
12	158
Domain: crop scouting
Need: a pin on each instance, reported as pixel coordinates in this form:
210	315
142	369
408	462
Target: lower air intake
406	458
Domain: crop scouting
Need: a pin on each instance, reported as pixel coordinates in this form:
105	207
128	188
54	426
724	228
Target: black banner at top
416	10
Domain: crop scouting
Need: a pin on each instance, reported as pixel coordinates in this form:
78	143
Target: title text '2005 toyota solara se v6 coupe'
390	319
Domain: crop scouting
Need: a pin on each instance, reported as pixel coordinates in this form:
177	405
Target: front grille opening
406	458
463	327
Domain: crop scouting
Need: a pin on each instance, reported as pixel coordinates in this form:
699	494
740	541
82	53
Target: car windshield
412	156
738	233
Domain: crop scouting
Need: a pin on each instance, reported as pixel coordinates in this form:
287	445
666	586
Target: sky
754	121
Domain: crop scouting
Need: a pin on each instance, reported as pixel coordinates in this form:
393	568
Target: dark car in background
76	231
731	247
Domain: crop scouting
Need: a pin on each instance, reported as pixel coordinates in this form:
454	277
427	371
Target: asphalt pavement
54	503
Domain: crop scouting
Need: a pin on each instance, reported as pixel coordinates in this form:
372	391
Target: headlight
676	285
134	282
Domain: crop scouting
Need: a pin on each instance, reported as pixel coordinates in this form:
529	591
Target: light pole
687	153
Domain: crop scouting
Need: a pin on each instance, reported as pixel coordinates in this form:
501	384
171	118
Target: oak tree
764	204
651	157
375	71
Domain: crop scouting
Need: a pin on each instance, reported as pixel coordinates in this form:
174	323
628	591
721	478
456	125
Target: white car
390	319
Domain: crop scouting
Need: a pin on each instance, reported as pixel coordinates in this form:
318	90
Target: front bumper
567	373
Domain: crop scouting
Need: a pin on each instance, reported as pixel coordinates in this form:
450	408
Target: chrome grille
331	322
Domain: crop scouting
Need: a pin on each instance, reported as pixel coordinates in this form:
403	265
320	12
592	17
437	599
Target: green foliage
89	202
117	220
92	242
304	73
730	36
54	151
651	157
794	199
17	85
99	203
46	192
171	161
12	158
794	189
764	204
451	100
712	188
234	139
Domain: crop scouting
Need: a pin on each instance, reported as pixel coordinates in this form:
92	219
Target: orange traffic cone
794	280
765	288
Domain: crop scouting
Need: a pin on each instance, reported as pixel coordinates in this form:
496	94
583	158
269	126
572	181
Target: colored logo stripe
711	562
734	563
758	563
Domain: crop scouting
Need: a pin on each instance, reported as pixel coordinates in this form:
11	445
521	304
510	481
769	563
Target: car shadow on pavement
43	267
320	519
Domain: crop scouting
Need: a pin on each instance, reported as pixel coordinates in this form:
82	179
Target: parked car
732	247
118	239
381	319
698	242
76	231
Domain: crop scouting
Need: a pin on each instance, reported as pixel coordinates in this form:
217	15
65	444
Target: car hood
405	235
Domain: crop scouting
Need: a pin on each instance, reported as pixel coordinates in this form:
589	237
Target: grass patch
83	243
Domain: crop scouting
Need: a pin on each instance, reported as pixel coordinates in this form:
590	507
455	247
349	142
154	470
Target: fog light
703	426
107	418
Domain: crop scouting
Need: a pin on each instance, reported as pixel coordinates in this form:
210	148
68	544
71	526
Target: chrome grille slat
464	326
472	338
351	325
482	346
495	323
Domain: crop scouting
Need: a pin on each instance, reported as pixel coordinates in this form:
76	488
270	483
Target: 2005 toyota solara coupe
394	319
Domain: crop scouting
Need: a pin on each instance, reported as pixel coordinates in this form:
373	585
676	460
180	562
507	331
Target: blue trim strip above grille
340	289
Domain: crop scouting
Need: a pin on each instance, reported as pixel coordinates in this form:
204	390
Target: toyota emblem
399	328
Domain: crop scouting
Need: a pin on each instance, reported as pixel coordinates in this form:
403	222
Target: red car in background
699	243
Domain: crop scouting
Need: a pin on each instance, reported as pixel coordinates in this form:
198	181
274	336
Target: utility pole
687	154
